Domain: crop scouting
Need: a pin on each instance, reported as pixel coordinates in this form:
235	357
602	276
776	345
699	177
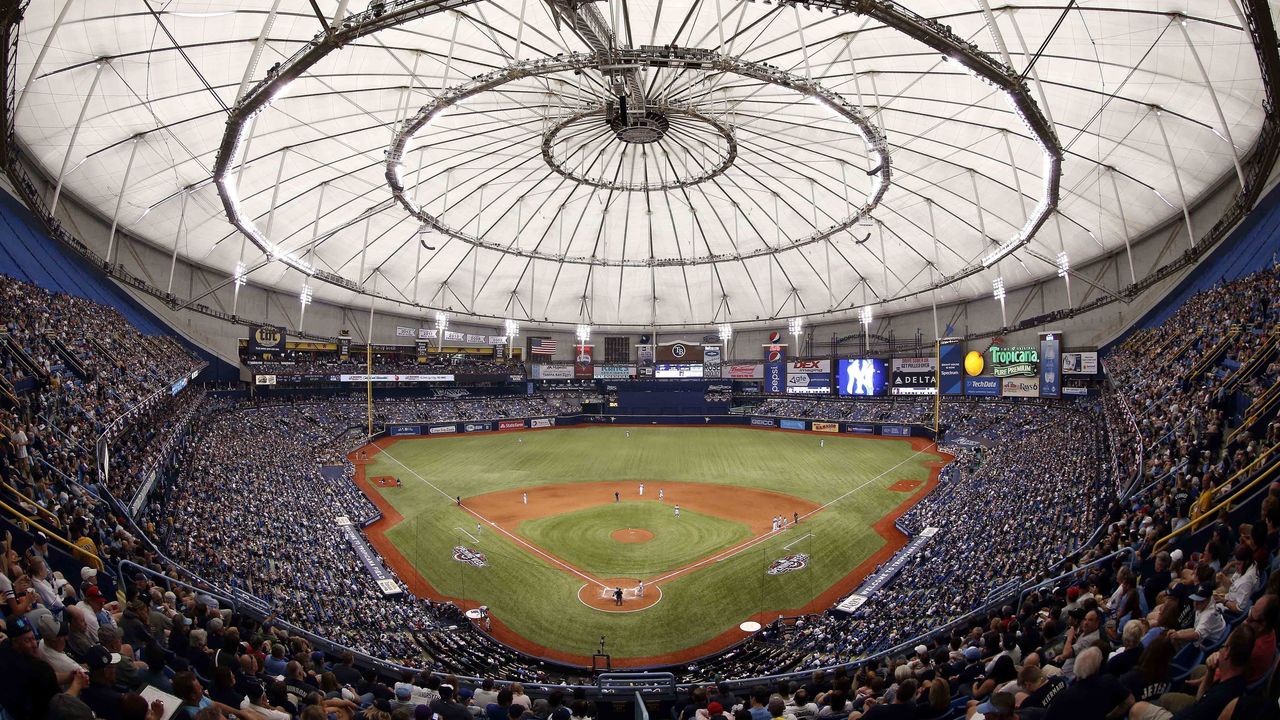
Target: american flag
542	346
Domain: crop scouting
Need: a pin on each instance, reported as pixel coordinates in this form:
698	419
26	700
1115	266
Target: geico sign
806	365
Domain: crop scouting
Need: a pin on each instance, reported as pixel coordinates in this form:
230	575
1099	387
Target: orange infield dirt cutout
632	535
905	485
508	516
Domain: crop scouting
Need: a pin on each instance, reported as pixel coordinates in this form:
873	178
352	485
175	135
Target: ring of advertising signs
764	422
861	377
743	371
1022	387
828	427
477	427
542	422
915	376
400	430
895	430
812	377
442	429
791	424
860	428
510	424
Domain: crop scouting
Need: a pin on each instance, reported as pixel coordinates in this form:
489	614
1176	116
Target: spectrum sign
1008	362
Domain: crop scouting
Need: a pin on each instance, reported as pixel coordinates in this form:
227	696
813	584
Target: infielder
677	510
660	494
640	589
524	496
641	489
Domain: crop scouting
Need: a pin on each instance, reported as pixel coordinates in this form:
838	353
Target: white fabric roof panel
959	153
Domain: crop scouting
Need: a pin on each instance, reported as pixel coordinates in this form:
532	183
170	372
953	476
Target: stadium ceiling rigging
640	162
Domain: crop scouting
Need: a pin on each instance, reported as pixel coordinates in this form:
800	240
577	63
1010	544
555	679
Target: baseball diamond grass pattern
582	538
539	600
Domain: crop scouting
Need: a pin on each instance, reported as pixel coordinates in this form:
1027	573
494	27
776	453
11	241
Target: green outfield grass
582	538
539	600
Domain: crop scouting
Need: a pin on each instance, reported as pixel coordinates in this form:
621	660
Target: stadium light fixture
583	333
1064	266
240	276
795	326
442	324
864	315
305	295
513	328
726	333
997	291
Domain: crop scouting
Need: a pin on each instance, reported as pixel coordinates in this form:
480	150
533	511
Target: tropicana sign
1007	362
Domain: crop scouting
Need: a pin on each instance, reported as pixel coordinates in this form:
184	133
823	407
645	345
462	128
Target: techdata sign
982	386
915	376
1013	361
775	377
1050	377
951	368
861	377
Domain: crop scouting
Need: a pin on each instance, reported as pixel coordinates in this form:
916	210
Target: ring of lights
929	32
689	58
726	162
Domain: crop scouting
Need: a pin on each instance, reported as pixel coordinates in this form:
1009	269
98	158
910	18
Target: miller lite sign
267	338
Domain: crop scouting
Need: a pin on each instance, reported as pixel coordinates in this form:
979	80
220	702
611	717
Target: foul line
464	532
514	537
730	552
793	542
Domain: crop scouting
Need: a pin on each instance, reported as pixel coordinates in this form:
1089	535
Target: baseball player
617	596
641	489
822	443
617	497
660	493
477	529
524	496
677	509
628	433
640	589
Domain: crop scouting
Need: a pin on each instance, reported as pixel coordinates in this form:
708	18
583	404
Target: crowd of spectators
896	410
315	363
1148	633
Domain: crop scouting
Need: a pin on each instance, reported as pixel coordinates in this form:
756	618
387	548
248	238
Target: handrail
1213	512
1215	353
50	423
76	550
39	508
1268	399
156	573
1259	358
68	478
1056	579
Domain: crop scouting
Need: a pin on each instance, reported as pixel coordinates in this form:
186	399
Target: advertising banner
711	361
477	427
401	430
808	383
1076	391
742	371
809	366
542	422
1080	363
1050	377
644	355
775	351
887	571
582	362
451	336
264	379
677	370
421	346
615	372
552	372
826	427
775	377
1013	361
914	376
764	422
395	378
405	332
787	424
426	333
497	339
344	348
679	351
1021	387
370	560
895	430
266	338
510	424
477	339
982	386
442	429
860	428
861	377
951	368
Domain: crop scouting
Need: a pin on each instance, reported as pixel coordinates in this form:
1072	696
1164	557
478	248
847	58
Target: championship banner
552	372
951	367
1080	363
914	376
1021	387
582	362
827	427
477	339
711	361
405	332
266	338
452	336
422	346
742	371
426	333
1050	376
344	348
679	351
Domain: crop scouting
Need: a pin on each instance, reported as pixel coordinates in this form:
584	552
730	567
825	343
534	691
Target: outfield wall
903	430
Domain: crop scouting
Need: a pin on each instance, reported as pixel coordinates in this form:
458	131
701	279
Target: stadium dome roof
641	162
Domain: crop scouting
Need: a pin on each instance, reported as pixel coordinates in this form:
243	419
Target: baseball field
551	524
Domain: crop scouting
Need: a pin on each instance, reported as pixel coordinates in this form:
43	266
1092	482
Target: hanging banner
1080	363
344	348
644	355
582	362
426	333
775	377
711	361
266	338
742	371
1050	375
477	339
452	336
951	367
405	332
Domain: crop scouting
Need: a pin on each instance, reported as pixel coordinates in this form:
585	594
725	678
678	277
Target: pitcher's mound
632	535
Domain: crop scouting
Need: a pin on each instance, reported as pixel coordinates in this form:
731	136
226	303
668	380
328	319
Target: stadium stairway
28	253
